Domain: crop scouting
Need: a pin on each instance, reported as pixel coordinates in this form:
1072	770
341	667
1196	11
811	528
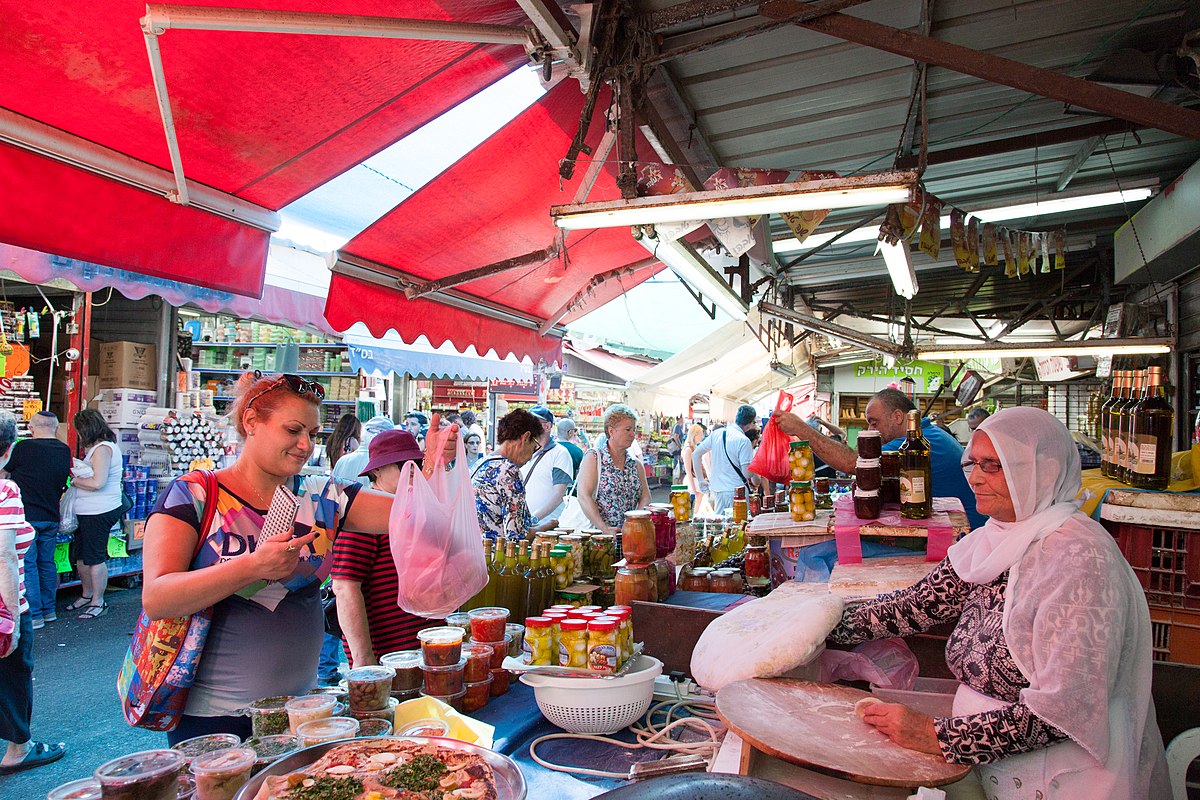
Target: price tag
30	407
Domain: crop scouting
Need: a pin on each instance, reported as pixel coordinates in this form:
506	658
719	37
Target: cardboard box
125	406
131	365
127	436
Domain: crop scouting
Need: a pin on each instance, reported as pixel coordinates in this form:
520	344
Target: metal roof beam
1064	88
422	289
1029	141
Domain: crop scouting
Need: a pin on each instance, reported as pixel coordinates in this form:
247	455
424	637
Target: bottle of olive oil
1106	444
510	582
1153	433
1121	384
1124	434
916	472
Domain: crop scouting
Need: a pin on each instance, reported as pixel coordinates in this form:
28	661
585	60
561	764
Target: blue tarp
376	359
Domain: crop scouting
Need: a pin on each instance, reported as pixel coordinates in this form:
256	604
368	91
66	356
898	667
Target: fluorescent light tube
900	267
693	270
1089	347
1021	211
869	190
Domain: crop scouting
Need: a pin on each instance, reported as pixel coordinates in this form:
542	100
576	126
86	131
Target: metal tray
510	783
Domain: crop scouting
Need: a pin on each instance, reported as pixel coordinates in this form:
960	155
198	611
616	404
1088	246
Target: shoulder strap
482	461
212	491
725	447
537	461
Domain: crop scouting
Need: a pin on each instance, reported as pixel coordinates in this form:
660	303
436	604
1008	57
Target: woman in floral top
499	490
612	482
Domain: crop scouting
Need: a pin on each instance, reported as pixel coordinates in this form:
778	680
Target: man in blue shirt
887	412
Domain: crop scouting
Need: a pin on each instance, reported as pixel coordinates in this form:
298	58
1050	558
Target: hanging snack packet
1022	253
989	245
1010	261
972	244
958	239
931	227
1060	249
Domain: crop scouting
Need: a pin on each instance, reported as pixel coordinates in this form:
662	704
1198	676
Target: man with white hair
350	465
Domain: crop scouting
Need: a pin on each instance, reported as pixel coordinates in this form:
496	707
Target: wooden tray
814	725
780	523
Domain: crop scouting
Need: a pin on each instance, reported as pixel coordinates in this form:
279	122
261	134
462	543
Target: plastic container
374	727
82	789
637	538
479	662
185	787
442	680
308	708
572	643
147	775
501	678
455	700
539	646
406	695
460	619
220	774
867	504
269	716
371	687
407	664
388	712
442	646
931	696
487	624
268	749
425	727
326	730
596	705
477	695
604	644
499	650
516	638
199	745
870	444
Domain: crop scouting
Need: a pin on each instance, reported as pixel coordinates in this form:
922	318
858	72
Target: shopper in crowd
691	477
567	432
416	423
675	447
976	416
349	466
731	454
16	662
98	507
1053	638
345	439
887	412
474	448
470	425
40	466
262	586
611	480
549	473
365	580
499	491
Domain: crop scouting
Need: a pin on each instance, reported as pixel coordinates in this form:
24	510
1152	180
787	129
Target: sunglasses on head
300	386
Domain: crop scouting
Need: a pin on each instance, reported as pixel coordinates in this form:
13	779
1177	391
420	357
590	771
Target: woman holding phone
260	563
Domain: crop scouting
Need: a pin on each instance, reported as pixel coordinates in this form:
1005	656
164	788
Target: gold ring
291	548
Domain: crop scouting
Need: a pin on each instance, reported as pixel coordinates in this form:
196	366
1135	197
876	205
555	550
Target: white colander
596	705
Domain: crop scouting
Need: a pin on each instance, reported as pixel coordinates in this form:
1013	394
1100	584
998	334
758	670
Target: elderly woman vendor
1052	643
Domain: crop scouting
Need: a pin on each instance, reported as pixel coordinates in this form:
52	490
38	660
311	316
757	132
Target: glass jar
660	516
821	494
681	501
725	581
604	645
867	503
634	582
758	563
637	539
576	541
602	553
695	579
560	561
539	646
607	593
867	473
870	444
662	570
572	643
741	508
800	460
801	503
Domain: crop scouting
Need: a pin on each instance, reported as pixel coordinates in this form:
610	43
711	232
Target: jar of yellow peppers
801	502
800	460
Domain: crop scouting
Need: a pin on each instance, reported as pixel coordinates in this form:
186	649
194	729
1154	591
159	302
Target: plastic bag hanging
771	458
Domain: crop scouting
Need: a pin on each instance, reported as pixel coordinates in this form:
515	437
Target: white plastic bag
68	522
435	537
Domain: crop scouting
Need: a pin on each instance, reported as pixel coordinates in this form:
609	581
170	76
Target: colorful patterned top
500	499
12	515
265	640
617	490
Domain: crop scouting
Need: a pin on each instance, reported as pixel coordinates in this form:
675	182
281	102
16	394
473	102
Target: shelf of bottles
1137	427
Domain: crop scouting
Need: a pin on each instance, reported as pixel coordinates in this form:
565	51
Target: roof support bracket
580	297
818	325
423	289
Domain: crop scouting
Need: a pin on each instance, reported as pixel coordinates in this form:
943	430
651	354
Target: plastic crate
1166	562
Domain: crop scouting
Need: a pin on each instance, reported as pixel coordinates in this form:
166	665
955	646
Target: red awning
266	117
492	205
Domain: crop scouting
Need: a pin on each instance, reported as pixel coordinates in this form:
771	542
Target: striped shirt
367	559
12	515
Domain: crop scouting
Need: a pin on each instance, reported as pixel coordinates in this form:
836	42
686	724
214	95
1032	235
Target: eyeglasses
988	465
300	386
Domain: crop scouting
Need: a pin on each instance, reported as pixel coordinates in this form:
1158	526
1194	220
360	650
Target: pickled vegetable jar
801	461
681	500
572	644
560	560
539	649
604	646
821	493
758	564
662	570
637	539
801	502
602	553
635	582
695	579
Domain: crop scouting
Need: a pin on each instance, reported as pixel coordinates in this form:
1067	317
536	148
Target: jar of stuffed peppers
801	502
681	500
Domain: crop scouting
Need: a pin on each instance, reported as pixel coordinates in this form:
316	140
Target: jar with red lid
604	644
637	538
635	582
539	648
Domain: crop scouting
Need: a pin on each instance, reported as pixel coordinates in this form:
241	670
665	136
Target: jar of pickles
821	493
635	582
758	564
662	577
681	501
801	502
601	553
560	562
637	539
573	643
800	460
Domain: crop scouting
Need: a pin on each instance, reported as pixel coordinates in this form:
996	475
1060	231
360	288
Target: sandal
39	755
82	602
94	611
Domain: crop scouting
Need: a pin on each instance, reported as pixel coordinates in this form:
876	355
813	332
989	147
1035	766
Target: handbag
161	662
573	516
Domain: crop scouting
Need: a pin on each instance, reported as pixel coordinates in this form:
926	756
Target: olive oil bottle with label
1153	429
916	473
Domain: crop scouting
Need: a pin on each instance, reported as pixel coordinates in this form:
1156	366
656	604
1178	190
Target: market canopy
421	360
492	206
260	118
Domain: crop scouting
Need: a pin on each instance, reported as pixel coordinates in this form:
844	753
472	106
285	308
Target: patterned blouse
617	490
500	499
976	653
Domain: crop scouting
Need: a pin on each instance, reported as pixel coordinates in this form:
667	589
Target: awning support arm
423	289
818	325
582	294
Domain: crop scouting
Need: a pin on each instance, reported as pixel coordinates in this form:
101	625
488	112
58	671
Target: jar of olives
800	460
801	502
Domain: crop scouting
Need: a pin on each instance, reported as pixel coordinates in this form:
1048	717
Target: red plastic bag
434	534
771	459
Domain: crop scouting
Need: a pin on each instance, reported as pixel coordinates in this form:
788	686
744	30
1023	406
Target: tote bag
161	662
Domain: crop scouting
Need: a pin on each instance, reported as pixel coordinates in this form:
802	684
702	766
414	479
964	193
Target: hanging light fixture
896	254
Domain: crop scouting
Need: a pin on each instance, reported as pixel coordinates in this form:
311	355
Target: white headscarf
1041	468
1075	617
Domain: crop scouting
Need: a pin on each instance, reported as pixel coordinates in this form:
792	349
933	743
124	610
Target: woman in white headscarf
1052	642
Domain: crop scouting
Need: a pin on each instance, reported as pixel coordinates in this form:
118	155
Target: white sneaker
38	623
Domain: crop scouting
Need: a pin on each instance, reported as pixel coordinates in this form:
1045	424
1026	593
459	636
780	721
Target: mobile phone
281	516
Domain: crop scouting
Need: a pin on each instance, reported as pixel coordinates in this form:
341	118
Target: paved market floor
75	665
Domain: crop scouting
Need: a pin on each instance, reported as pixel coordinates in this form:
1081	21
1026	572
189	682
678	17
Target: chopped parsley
328	788
421	774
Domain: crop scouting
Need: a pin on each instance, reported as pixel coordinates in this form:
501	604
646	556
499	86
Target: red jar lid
590	608
603	624
619	613
574	625
538	622
621	608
